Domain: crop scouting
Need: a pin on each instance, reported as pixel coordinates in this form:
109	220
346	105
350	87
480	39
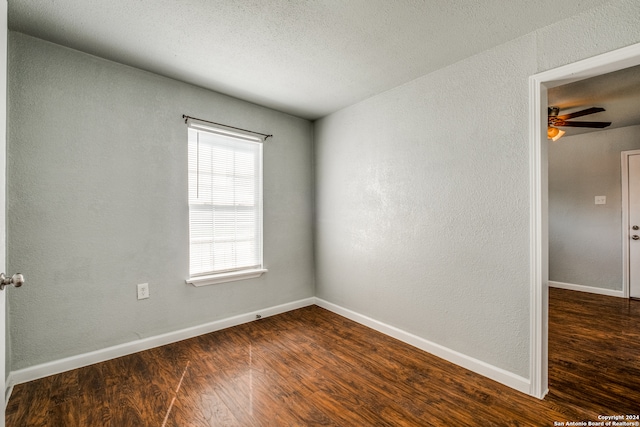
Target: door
634	226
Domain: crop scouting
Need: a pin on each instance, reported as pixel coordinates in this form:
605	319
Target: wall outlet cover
143	291
601	200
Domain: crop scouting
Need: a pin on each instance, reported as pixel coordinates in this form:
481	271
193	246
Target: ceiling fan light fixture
554	134
554	120
558	136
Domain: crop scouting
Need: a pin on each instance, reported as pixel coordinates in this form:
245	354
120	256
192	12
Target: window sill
214	279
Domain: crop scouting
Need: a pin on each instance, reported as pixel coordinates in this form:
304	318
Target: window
225	205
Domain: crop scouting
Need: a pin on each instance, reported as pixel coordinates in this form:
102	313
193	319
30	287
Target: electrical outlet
143	291
601	200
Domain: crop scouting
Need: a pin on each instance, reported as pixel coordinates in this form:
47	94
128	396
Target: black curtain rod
186	119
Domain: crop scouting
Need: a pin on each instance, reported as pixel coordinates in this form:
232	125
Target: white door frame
626	284
539	222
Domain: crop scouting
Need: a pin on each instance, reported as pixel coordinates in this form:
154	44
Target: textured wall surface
97	202
423	193
422	207
585	240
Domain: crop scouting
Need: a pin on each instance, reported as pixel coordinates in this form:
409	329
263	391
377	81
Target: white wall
97	202
423	193
585	240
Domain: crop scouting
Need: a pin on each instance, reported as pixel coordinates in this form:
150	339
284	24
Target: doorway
631	222
539	221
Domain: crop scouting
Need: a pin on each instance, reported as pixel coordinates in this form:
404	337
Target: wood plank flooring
312	367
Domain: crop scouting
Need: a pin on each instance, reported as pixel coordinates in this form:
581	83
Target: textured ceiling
305	57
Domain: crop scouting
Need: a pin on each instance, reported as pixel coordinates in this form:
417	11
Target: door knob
16	280
635	237
635	227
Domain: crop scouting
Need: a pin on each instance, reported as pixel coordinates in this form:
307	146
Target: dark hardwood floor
312	367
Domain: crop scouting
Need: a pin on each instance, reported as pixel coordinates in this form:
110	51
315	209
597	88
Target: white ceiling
305	57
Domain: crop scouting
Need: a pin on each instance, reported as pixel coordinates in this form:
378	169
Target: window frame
223	276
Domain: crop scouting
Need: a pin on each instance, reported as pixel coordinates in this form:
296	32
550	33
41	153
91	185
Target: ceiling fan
555	121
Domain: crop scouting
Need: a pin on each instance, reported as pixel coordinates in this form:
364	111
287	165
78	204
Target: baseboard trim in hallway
588	289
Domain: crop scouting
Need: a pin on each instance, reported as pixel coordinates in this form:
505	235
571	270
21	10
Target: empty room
299	212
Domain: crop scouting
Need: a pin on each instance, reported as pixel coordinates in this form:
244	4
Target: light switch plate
601	200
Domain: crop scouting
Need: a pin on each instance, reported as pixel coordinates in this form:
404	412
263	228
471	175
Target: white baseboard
478	366
58	366
589	289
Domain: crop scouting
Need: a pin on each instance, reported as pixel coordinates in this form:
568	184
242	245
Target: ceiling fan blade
598	125
581	113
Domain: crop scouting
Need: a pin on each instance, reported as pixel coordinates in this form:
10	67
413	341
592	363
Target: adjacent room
293	212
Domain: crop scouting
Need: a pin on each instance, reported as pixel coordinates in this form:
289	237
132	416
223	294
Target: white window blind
225	201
